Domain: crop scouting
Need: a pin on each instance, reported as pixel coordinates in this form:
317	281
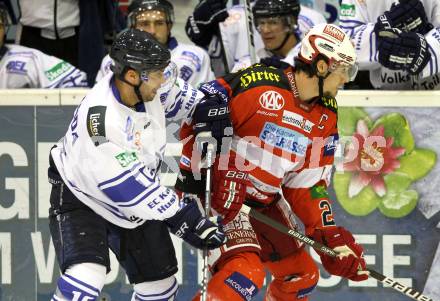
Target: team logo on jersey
96	124
272	100
284	138
297	121
334	32
16	67
242	285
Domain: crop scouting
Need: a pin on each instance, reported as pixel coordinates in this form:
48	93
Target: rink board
31	121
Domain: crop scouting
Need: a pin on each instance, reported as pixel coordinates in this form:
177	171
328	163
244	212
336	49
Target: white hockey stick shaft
410	292
250	30
209	160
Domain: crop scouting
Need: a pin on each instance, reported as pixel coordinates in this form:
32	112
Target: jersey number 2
327	217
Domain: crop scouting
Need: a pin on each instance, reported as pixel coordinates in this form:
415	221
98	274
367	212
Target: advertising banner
394	211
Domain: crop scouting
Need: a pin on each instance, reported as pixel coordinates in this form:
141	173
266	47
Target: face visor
168	76
349	71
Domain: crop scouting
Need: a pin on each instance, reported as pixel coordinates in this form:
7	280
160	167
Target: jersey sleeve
105	68
433	40
306	189
56	73
353	19
180	101
129	186
194	65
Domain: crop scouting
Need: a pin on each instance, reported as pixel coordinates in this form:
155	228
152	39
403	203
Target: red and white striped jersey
287	146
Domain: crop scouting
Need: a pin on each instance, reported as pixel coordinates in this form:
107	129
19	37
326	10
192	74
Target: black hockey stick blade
410	292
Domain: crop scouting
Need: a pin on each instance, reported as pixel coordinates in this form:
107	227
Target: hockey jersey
23	67
235	38
110	156
193	63
287	146
358	18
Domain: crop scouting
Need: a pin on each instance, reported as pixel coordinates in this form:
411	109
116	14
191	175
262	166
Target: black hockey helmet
275	8
139	6
138	50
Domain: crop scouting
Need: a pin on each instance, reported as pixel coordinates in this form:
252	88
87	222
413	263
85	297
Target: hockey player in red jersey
279	161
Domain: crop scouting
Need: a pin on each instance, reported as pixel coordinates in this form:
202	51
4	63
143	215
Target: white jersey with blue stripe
23	67
193	63
110	156
357	17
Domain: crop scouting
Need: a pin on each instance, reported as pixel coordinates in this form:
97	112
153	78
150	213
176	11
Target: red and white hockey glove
228	191
350	262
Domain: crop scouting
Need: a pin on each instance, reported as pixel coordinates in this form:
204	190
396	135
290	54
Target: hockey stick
209	160
410	292
249	28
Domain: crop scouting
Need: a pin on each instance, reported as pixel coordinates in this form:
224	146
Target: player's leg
295	277
148	257
238	278
238	273
80	241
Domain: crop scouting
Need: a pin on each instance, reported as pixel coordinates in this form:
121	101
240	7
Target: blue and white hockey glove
201	25
212	115
406	51
407	15
200	232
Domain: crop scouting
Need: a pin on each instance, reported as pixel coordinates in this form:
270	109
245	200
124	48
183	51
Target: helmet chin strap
283	43
136	88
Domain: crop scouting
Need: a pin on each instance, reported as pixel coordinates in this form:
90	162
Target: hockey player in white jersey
23	67
296	20
106	191
397	41
157	18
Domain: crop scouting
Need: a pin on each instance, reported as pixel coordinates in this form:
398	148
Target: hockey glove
189	224
228	191
406	51
407	15
201	25
350	262
212	115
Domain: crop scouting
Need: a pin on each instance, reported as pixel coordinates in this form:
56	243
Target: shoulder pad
330	103
96	124
256	76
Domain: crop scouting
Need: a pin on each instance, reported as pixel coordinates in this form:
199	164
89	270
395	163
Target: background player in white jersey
157	17
106	191
398	41
202	29
23	67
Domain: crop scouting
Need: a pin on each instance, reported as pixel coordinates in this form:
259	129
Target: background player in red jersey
280	161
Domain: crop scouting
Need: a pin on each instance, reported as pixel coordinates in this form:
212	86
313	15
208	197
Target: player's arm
135	190
194	65
56	73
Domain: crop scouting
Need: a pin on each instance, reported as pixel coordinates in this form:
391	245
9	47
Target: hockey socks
161	290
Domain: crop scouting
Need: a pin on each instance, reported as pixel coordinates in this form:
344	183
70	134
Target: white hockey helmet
332	42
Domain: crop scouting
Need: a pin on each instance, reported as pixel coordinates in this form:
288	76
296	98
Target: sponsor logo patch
297	121
57	70
126	158
249	77
185	161
334	32
242	285
286	139
271	100
96	124
348	10
16	67
319	192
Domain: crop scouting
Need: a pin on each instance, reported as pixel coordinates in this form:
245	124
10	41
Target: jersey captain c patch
96	124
